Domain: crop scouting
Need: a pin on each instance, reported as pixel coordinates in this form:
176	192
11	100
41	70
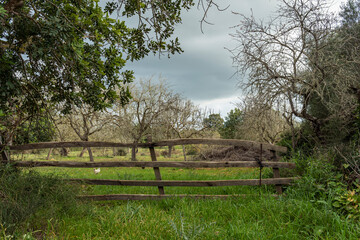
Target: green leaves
3	12
349	203
64	52
71	53
231	124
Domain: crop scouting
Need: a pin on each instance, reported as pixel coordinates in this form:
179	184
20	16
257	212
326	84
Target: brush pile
233	153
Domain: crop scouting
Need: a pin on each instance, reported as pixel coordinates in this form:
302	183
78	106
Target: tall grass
29	199
241	218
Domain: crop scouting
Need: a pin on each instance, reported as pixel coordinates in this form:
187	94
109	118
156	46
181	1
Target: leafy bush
28	196
191	150
120	152
319	181
38	129
349	203
305	140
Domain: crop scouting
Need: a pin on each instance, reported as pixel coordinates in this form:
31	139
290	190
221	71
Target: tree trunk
133	153
4	154
317	128
90	154
114	151
64	152
169	153
49	154
82	152
184	152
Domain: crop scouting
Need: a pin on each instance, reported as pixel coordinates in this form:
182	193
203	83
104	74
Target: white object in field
96	170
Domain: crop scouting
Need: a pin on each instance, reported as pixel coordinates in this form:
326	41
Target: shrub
120	152
348	203
191	150
319	179
26	195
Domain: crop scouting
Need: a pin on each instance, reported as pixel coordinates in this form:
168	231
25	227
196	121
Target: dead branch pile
233	153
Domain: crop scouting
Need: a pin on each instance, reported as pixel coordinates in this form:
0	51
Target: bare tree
184	120
85	122
144	111
285	60
261	122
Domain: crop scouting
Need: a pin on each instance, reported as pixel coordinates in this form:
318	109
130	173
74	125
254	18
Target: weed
349	203
132	211
187	231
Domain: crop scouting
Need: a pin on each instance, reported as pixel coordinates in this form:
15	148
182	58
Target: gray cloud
203	72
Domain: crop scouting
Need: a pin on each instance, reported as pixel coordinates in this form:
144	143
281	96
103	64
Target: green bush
191	150
320	182
26	196
120	152
348	203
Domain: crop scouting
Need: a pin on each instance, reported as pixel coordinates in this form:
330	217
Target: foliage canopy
71	52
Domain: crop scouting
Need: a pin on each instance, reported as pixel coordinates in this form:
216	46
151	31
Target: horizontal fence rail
257	161
160	197
187	164
173	142
186	183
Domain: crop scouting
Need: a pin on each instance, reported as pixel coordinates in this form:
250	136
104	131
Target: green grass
243	218
258	216
167	174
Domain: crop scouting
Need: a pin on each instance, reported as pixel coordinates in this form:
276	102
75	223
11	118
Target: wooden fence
258	161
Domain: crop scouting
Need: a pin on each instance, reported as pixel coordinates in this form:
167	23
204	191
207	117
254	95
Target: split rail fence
258	161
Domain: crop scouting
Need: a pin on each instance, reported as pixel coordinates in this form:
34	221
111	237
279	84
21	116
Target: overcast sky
204	71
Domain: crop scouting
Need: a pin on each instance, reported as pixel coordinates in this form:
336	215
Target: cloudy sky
204	72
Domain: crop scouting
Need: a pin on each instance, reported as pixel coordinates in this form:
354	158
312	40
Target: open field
257	216
148	174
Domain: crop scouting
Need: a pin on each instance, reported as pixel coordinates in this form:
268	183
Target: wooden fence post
156	169
276	171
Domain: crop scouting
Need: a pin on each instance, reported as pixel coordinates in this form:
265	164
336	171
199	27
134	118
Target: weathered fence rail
172	142
187	164
187	183
258	161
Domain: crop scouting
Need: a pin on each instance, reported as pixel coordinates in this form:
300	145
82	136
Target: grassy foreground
256	218
59	216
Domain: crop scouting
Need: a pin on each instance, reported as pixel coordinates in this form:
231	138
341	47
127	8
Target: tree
34	130
86	122
214	122
144	111
285	59
343	89
183	120
350	13
67	52
70	52
337	105
231	124
261	122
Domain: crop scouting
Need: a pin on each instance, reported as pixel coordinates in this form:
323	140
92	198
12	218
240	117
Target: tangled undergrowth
28	200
